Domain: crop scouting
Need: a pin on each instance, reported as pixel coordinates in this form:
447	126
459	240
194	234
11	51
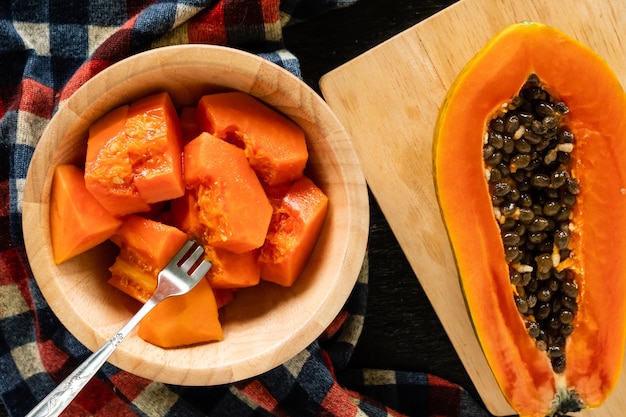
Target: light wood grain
389	98
267	324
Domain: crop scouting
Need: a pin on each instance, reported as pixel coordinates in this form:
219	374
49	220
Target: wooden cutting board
388	98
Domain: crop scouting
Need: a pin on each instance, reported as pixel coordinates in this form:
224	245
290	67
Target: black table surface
401	330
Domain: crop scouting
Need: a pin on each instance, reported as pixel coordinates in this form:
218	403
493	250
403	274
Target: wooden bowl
266	325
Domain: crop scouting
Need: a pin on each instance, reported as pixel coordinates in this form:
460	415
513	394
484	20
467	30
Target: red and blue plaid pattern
47	50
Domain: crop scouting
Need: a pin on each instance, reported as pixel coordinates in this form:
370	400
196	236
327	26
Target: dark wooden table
401	330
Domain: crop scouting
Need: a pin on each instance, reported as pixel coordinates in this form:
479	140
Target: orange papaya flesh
134	156
78	222
129	276
146	246
293	232
186	215
184	320
232	207
154	140
233	270
582	368
109	172
275	145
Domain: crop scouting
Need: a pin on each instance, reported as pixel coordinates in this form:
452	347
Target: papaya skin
597	117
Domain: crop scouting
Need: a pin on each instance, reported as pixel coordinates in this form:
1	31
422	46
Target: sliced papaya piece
134	156
78	222
531	184
184	320
154	140
234	270
229	269
232	207
146	246
295	226
275	145
109	172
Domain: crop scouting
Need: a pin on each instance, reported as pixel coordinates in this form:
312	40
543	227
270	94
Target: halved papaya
275	145
296	223
531	183
78	222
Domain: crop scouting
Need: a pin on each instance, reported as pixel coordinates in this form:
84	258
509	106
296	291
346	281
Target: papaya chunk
295	226
154	145
184	320
275	146
234	270
232	207
146	246
134	156
78	222
538	236
108	169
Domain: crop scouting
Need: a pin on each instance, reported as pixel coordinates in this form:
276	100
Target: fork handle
60	397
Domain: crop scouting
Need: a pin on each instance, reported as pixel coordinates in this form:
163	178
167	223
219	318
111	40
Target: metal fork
179	276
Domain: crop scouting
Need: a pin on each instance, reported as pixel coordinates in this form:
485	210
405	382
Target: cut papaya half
531	183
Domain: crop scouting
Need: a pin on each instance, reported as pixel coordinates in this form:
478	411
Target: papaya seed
526	154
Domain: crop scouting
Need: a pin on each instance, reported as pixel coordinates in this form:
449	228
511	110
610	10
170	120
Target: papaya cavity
532	190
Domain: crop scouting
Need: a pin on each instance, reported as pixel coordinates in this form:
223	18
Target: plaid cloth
47	50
